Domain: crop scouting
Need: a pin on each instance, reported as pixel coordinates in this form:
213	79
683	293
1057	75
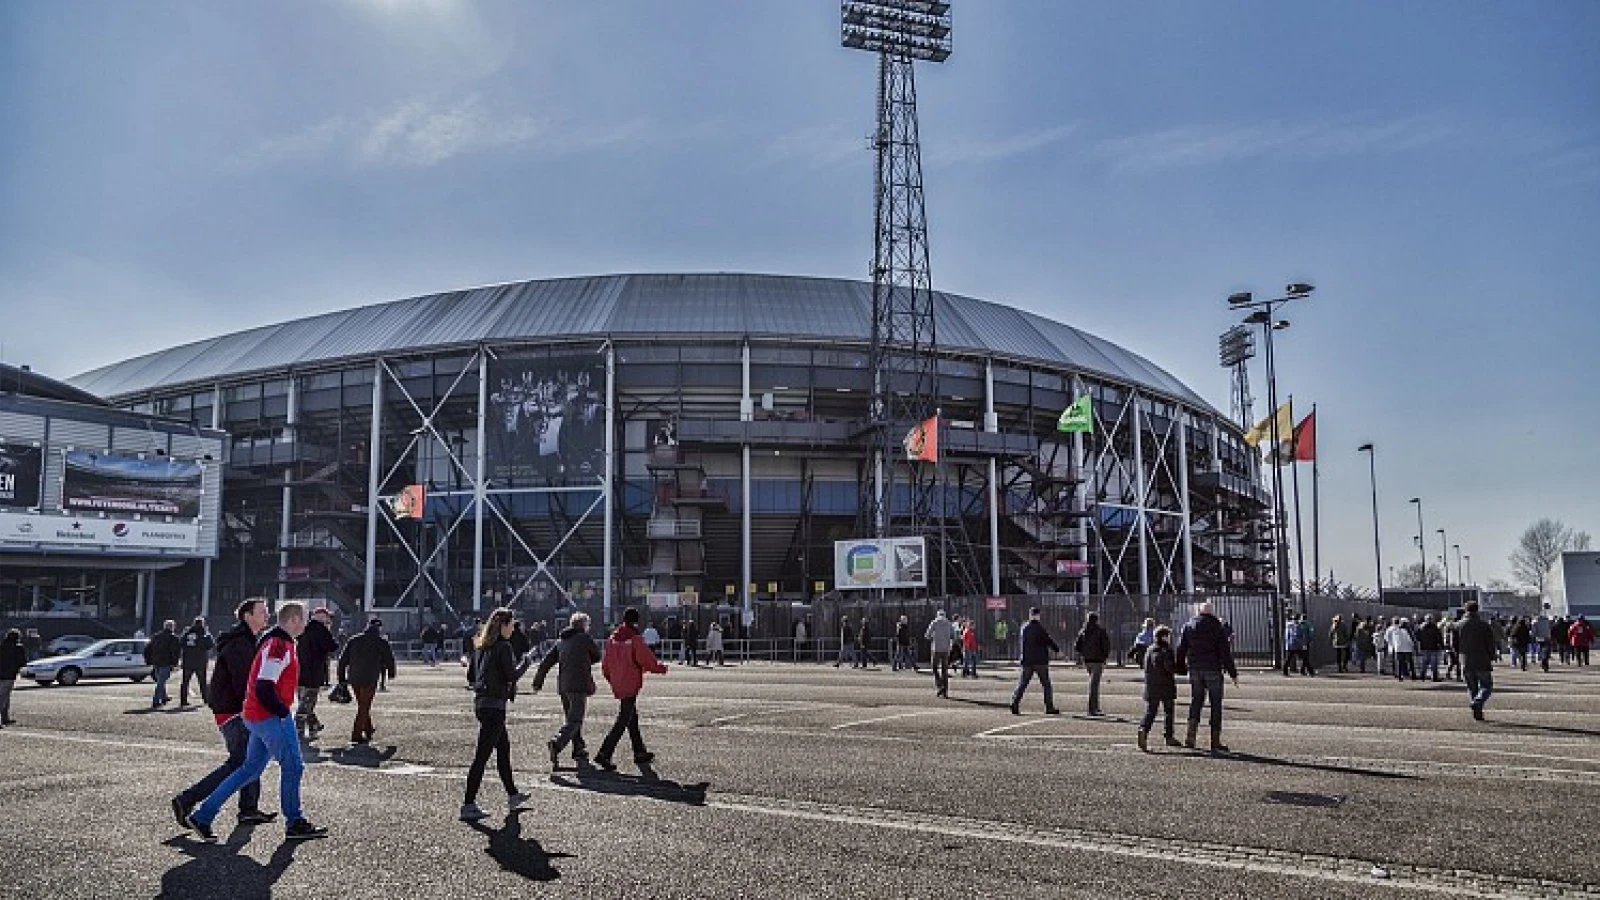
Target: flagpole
1294	472
1316	505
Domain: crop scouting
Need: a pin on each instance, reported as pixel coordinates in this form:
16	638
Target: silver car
119	658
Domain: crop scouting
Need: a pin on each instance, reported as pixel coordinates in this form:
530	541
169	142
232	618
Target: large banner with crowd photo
21	466
547	421
111	482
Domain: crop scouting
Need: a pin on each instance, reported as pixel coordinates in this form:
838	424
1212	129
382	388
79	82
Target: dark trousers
1404	666
1581	655
1028	672
183	686
627	720
1341	658
1480	684
941	672
492	738
362	729
1205	687
1150	707
237	739
573	706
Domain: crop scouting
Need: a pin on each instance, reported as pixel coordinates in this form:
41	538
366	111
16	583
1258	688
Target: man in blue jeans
1204	650
162	654
1476	644
274	677
230	680
1037	645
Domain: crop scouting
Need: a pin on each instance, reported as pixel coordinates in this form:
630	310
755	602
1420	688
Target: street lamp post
1444	556
1263	315
1461	580
1468	576
1422	544
1377	547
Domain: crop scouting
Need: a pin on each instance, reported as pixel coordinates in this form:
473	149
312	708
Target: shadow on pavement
519	855
646	784
992	704
222	871
1255	759
1553	729
363	756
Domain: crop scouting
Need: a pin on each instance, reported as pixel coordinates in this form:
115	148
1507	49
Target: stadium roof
620	306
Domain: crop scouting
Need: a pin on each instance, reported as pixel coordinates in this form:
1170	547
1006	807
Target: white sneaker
515	802
471	812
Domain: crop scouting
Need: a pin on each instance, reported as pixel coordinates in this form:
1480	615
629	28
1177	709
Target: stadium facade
454	451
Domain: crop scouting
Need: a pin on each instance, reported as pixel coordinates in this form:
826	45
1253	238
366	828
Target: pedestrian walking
864	645
1340	633
941	637
1403	646
1478	651
801	632
521	643
691	642
1160	687
1142	642
1430	644
1291	646
970	647
1002	636
1307	640
1521	640
1450	630
162	654
847	643
426	637
493	674
1204	652
1541	637
315	647
366	658
230	683
1093	647
1361	648
1380	644
13	656
576	652
624	663
903	658
1581	637
274	673
1561	638
714	644
33	644
652	637
1037	645
194	657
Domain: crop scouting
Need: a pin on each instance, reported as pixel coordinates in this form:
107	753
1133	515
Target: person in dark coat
197	644
1204	651
33	643
230	679
1476	644
691	642
577	653
365	659
1037	645
520	644
1093	646
315	647
1160	687
431	638
493	674
162	654
12	658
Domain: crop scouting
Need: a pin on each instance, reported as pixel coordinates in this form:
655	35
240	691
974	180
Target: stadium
450	452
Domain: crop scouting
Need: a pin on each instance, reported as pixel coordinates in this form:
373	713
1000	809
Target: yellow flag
1263	429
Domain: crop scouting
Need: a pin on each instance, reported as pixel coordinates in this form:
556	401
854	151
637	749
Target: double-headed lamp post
1422	545
1377	547
1264	314
1461	580
1444	556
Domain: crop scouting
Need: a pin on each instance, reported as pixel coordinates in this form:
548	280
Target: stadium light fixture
1240	298
912	29
1298	290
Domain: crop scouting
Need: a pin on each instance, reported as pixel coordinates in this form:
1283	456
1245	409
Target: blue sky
169	171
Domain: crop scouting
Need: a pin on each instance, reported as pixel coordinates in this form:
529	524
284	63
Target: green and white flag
1078	418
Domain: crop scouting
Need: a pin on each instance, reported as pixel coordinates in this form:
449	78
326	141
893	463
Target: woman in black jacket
493	674
1160	687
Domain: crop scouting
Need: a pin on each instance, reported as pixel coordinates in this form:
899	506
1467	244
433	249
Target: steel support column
747	413
374	484
991	424
607	563
479	493
1142	483
1183	500
205	567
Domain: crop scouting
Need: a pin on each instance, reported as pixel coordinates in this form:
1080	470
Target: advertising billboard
547	421
97	533
890	563
20	468
110	482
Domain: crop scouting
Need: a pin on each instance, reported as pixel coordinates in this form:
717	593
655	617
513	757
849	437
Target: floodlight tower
1236	347
904	372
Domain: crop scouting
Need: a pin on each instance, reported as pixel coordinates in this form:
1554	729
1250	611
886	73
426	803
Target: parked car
69	643
121	658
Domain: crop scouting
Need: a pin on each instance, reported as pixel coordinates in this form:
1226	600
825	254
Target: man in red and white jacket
274	675
625	660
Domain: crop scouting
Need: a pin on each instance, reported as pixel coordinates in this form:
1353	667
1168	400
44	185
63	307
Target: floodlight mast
904	371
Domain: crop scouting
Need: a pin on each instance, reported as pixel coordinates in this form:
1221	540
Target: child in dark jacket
1160	687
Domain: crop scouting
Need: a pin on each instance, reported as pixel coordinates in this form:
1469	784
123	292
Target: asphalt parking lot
783	780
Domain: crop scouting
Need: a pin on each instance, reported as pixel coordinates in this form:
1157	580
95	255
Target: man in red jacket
623	664
1581	635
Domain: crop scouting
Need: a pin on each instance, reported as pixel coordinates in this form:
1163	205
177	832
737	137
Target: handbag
340	693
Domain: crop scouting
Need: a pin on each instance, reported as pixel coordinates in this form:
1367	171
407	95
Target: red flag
922	441
1305	439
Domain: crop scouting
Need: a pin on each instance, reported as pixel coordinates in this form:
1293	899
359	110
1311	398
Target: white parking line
1009	726
905	715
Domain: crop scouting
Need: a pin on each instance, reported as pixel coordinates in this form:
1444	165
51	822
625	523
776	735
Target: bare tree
1539	550
1413	576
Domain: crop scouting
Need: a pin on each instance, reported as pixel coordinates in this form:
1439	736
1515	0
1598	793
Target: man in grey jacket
576	652
941	635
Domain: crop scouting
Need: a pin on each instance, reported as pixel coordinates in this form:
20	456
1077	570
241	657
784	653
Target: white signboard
97	534
889	563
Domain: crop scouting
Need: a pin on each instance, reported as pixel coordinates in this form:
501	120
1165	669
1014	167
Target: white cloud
960	150
829	145
817	147
1215	144
420	134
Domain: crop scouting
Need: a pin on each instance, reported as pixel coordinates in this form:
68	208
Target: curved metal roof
28	383
621	306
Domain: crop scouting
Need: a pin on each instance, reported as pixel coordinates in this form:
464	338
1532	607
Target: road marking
1577	759
904	715
1009	726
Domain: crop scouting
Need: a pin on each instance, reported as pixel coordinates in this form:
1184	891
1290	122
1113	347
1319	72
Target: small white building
1575	587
